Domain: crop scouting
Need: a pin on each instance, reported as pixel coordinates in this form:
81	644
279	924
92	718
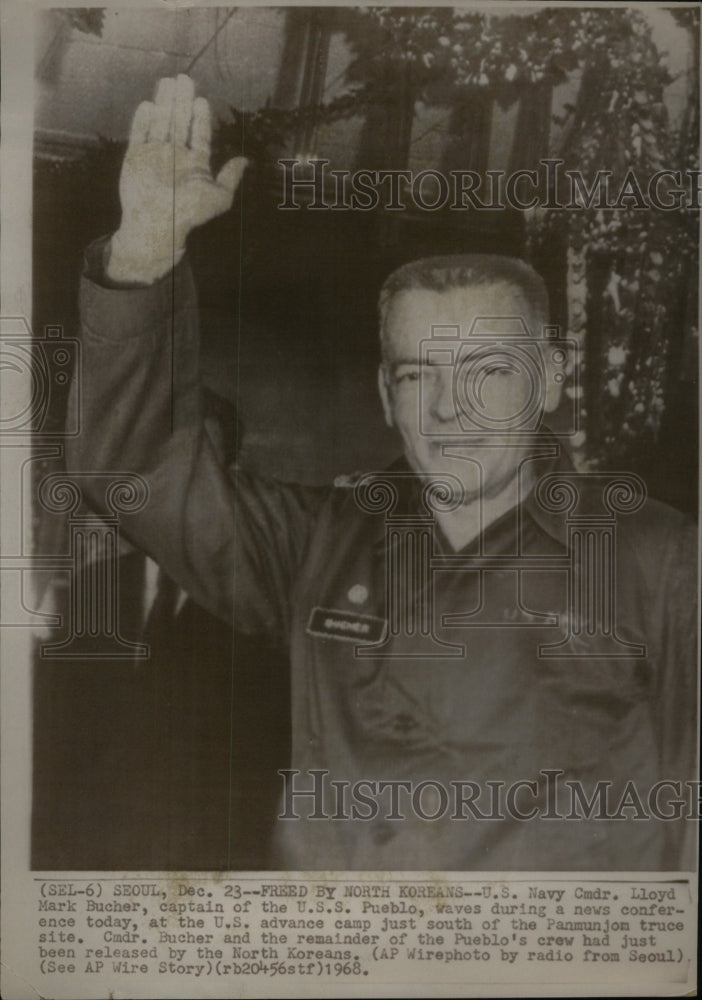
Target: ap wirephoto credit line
349	433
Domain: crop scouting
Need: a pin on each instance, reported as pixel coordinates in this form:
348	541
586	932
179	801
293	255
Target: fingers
162	114
184	92
202	128
231	173
174	116
141	121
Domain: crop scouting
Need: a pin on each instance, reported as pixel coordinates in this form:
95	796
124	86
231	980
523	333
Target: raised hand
166	186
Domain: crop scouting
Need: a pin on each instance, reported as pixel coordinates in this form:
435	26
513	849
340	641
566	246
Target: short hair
442	274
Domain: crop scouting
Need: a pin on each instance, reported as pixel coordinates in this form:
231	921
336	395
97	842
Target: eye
407	374
500	368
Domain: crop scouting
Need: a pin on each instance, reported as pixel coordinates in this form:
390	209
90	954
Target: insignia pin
358	594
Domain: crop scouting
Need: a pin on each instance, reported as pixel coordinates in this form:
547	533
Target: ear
555	376
385	396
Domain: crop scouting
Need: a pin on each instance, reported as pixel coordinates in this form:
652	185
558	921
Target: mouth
457	440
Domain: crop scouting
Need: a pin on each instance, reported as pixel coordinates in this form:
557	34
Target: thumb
231	173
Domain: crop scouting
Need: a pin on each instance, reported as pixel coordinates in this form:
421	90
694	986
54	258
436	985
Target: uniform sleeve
676	696
233	542
677	693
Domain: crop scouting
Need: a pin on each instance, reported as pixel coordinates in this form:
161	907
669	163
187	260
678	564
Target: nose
442	405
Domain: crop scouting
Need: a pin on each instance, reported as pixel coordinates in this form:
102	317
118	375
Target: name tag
328	623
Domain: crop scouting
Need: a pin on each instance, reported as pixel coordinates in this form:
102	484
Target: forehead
413	314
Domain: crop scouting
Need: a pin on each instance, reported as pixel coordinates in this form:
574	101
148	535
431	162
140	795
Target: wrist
141	260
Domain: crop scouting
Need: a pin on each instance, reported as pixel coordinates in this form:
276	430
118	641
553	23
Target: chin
470	483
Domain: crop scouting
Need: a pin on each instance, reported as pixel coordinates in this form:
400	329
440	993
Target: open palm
166	185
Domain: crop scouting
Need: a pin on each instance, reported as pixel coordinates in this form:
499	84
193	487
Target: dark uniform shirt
451	678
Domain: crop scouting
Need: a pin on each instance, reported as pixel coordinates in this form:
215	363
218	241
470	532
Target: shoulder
662	544
348	480
622	498
269	497
656	524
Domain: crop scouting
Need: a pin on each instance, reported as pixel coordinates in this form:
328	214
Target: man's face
421	400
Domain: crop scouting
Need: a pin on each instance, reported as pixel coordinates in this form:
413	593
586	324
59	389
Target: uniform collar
553	524
555	459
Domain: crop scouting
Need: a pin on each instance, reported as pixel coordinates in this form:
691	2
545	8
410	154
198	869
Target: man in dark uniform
466	630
